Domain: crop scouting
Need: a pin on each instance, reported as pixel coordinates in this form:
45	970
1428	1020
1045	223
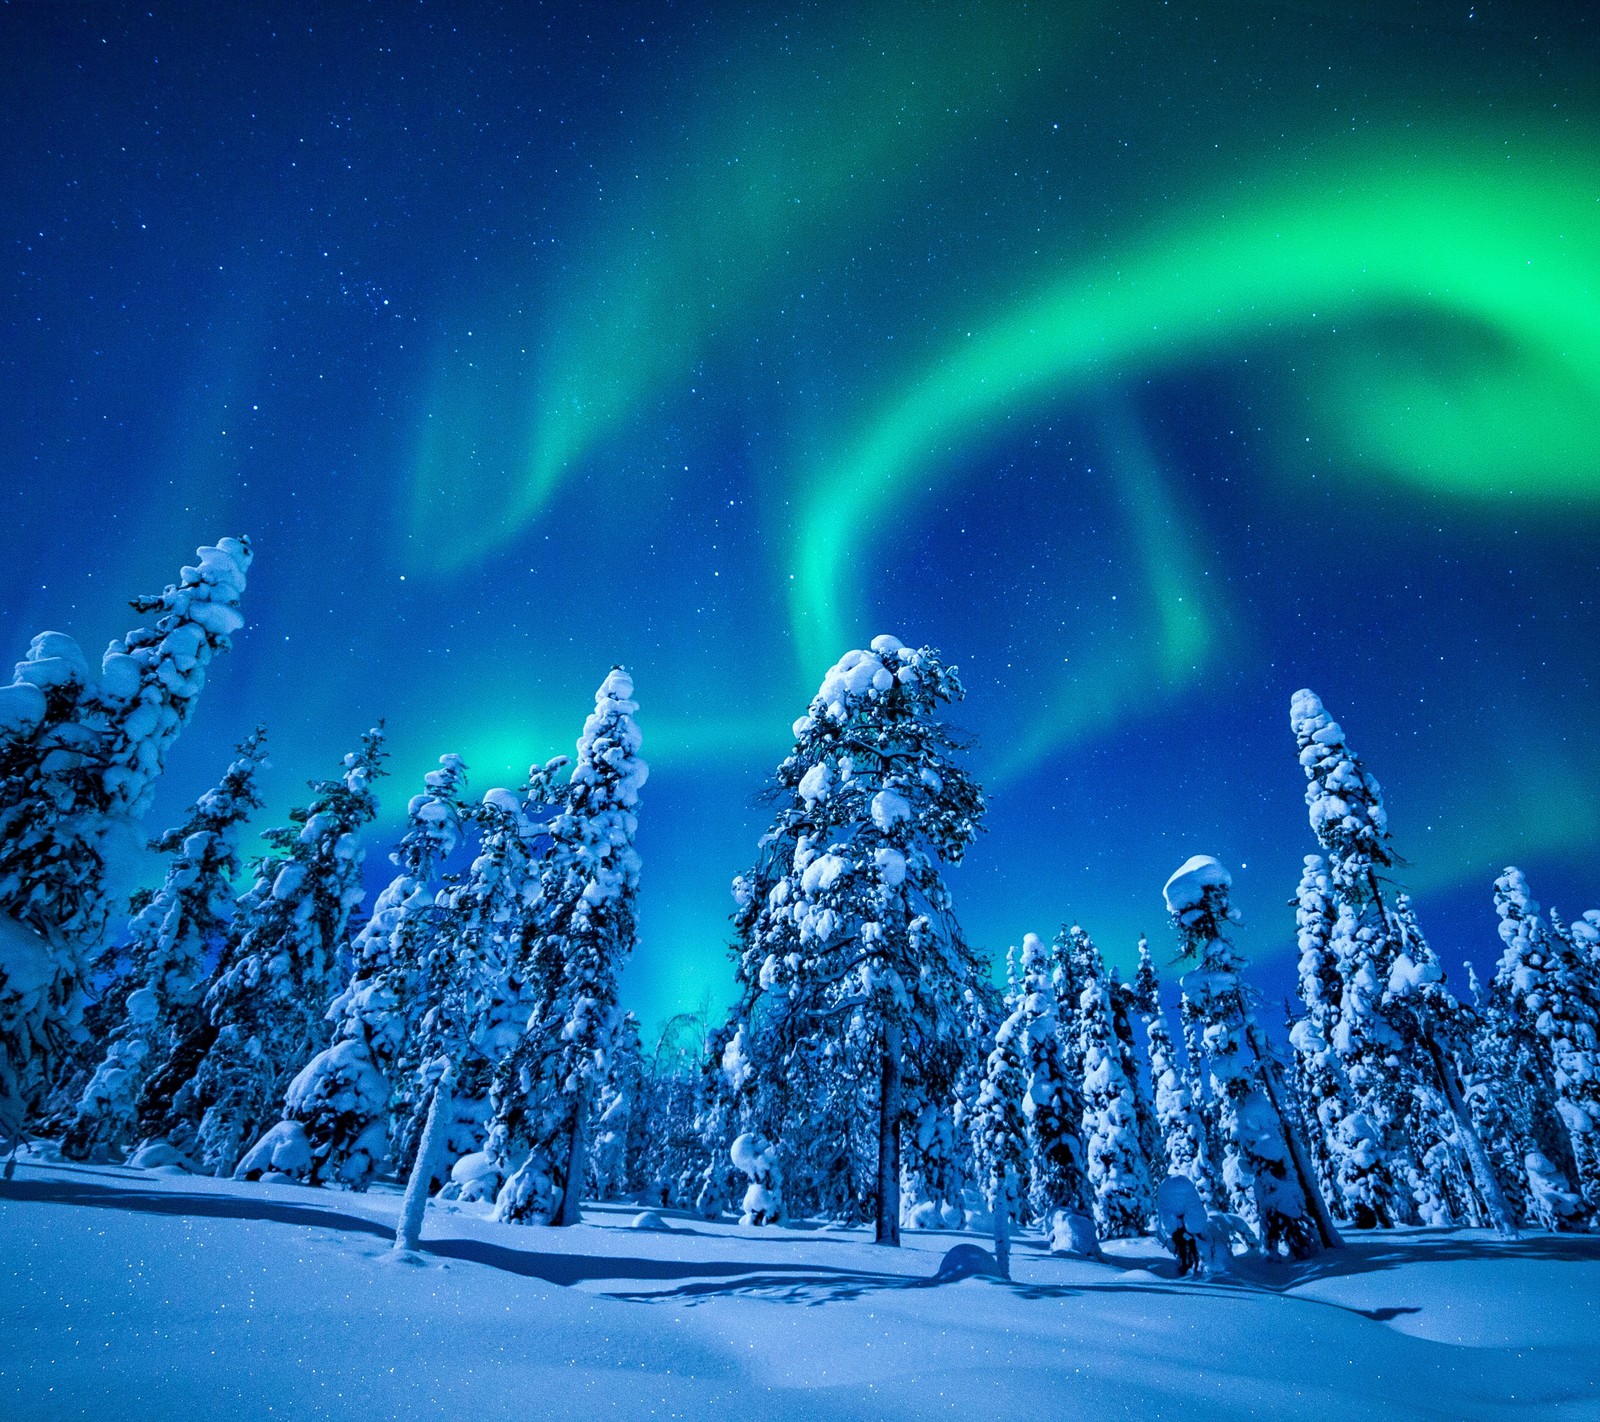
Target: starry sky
1151	360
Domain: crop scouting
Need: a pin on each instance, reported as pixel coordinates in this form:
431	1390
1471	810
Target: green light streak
1509	251
729	215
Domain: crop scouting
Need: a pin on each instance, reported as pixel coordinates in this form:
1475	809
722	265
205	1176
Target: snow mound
650	1220
966	1261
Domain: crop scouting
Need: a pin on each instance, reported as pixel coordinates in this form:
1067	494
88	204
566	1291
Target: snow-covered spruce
617	1120
1455	1168
166	954
1321	1079
1257	1168
584	929
269	1000
473	997
1122	1194
1350	822
1186	1148
1550	980
849	945
1124	1004
756	1156
80	751
1058	1190
1000	1131
341	1098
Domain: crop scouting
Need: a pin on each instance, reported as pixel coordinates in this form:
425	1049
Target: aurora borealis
1151	362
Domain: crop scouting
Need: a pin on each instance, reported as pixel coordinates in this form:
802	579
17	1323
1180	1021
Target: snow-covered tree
1117	1172
1547	977
1000	1131
341	1098
166	955
1322	1084
80	751
585	926
1124	1004
473	996
1186	1146
617	1115
1058	1188
848	939
1257	1167
270	997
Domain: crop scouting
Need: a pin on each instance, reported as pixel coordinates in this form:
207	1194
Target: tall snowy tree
341	1098
1546	976
849	937
616	1116
1124	1004
585	927
1186	1145
80	752
166	953
1059	1192
269	1000
1257	1165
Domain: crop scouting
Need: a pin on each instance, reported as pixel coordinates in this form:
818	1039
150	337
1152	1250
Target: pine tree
473	996
618	1106
80	752
1059	1194
269	1000
1257	1165
1000	1132
166	953
849	942
1124	1004
1546	976
1110	1123
1186	1146
1321	1077
341	1098
586	927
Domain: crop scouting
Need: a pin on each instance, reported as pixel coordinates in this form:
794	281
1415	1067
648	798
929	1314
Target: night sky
1151	366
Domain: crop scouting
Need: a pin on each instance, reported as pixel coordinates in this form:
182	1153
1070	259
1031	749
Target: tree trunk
1483	1175
433	1138
1002	1230
889	1138
1299	1156
568	1211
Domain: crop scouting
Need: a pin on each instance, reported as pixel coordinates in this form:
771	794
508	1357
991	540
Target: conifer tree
80	752
617	1110
473	996
1257	1165
1000	1132
849	942
1124	1003
1320	1076
1110	1123
342	1097
1545	976
269	1000
166	952
585	926
1186	1145
1059	1192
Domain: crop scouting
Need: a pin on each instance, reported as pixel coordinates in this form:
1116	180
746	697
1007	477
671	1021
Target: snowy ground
134	1295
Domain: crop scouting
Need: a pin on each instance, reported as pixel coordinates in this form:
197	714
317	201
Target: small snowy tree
1257	1167
618	1106
848	938
1186	1146
585	925
473	998
341	1098
166	955
80	752
1059	1193
269	1000
1546	976
1117	1172
1000	1131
